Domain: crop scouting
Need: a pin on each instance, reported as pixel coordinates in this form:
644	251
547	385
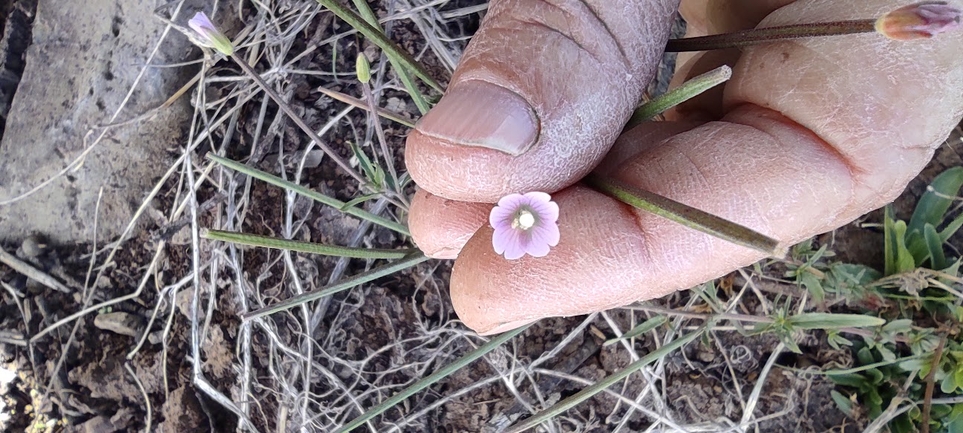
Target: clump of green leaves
910	372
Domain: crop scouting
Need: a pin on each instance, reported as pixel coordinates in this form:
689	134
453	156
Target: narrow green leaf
889	241
434	377
342	285
934	247
908	361
642	328
898	326
905	261
309	193
685	215
688	90
304	247
813	285
370	169
898	258
379	39
934	203
358	200
951	228
590	391
833	321
850	380
845	405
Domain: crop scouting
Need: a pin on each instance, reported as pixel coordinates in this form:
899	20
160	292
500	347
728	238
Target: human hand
809	135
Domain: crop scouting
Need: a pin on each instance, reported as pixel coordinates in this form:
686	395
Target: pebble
120	322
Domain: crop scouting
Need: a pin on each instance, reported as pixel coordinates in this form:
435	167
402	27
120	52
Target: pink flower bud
205	34
918	21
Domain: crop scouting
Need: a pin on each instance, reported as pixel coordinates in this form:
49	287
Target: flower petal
515	247
501	217
547	234
537	248
511	201
537	197
547	212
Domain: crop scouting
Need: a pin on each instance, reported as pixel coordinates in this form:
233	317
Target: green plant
914	379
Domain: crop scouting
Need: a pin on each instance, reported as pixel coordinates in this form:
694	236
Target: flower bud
208	36
363	68
919	21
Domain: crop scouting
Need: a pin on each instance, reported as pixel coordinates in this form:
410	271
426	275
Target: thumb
539	96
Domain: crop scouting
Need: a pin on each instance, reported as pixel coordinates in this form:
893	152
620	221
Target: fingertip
441	227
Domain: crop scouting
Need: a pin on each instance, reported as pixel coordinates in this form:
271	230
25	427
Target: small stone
99	424
120	322
155	337
32	247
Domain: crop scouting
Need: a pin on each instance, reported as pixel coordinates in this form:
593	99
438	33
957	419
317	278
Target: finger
441	227
539	96
818	132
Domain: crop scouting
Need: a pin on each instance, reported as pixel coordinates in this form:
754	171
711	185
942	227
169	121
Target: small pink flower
524	224
919	21
207	35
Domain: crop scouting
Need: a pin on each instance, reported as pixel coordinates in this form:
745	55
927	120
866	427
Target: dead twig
31	272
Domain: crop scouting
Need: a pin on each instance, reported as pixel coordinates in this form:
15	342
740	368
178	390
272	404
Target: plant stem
688	90
355	102
304	247
684	214
771	34
298	121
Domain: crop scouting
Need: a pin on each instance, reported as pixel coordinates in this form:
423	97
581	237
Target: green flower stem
347	283
690	89
390	115
298	121
309	193
434	377
685	215
588	392
304	247
381	41
771	34
396	61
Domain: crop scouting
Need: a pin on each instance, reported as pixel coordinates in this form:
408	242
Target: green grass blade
342	285
934	247
690	89
833	321
646	326
304	247
381	41
685	215
855	370
396	61
434	377
309	193
588	392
